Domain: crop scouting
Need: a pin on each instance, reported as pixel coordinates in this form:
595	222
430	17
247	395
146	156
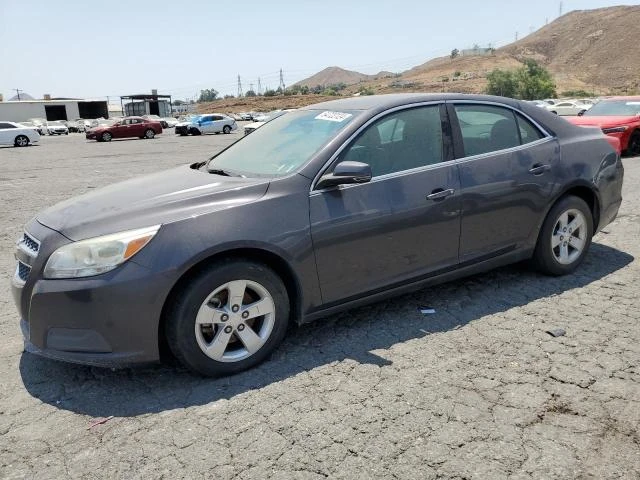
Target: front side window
7	125
400	141
486	128
284	144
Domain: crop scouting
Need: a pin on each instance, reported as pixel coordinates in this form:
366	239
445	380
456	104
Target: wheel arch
272	260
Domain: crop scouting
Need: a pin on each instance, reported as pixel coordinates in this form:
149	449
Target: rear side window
528	131
6	125
486	128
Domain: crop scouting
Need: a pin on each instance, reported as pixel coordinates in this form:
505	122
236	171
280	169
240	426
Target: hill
593	47
334	75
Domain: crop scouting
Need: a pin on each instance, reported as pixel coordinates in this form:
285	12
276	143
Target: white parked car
212	123
170	121
262	119
12	133
569	107
56	127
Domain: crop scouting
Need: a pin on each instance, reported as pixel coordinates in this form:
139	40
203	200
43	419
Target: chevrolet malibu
323	209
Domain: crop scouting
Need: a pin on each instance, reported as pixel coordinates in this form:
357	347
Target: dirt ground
476	390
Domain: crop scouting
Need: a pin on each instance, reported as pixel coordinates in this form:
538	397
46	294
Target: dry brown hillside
594	47
593	50
332	76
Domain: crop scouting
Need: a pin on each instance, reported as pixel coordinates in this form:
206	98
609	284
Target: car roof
630	98
383	102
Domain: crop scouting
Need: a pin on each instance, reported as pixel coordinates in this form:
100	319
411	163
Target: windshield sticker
334	116
633	103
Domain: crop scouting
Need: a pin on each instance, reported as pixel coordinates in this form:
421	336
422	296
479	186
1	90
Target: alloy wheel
569	236
235	321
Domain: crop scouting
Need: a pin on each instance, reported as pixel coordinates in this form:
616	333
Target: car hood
149	200
604	121
254	125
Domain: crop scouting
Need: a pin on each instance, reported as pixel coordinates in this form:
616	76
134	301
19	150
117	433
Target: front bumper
107	320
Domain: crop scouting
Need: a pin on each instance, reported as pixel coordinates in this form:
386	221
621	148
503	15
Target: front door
402	225
505	178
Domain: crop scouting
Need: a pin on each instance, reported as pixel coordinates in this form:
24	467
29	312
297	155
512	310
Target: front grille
30	242
23	271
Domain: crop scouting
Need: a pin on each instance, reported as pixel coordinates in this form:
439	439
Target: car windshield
27	124
282	145
57	123
614	108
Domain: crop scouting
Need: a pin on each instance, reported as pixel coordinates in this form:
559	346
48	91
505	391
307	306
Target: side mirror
580	113
346	173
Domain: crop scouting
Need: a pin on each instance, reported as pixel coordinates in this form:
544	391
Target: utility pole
516	36
560	9
281	86
251	87
259	87
239	87
18	91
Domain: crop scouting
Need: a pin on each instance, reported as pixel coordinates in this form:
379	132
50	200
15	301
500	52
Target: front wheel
565	237
226	129
228	318
21	141
149	133
106	137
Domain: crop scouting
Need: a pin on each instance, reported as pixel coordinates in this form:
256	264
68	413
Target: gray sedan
326	208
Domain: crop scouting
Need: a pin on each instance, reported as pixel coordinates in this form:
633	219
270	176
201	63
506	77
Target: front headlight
97	255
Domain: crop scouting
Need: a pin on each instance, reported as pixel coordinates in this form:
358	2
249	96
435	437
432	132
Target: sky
98	49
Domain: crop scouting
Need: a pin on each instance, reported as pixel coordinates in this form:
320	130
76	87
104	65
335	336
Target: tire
195	132
561	248
66	133
633	147
149	133
206	296
226	129
554	112
106	137
21	141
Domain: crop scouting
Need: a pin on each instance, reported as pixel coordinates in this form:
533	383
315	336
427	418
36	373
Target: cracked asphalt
477	390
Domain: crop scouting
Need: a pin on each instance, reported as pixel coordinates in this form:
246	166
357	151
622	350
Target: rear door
138	127
402	225
505	176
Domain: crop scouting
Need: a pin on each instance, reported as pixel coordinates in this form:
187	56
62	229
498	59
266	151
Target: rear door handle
440	194
539	169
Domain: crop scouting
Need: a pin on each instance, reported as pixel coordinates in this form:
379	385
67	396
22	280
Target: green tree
534	81
250	93
529	82
208	95
502	82
454	53
270	93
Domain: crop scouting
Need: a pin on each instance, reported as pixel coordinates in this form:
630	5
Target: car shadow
355	334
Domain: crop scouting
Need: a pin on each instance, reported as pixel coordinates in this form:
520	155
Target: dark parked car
125	128
323	209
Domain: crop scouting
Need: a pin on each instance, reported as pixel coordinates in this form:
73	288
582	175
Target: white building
64	109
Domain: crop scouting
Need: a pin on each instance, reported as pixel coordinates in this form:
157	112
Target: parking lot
477	389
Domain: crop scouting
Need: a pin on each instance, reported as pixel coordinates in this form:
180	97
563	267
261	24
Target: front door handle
539	169
440	194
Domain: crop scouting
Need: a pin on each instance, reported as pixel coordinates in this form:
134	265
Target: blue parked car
208	123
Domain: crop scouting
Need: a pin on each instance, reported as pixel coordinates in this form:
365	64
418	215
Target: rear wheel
21	141
565	237
149	133
633	147
226	129
228	318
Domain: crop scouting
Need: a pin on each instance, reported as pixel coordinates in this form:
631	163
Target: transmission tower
251	87
259	87
239	87
281	86
560	9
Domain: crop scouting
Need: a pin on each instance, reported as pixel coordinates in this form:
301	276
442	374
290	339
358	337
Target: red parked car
618	117
127	127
